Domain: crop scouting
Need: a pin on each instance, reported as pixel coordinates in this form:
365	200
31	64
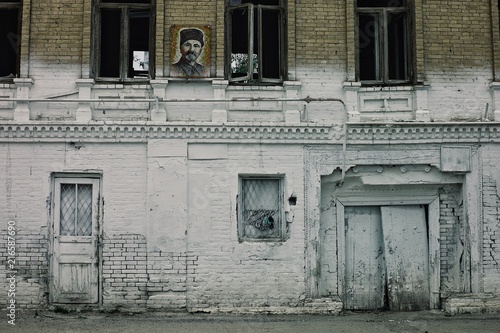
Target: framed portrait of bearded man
190	51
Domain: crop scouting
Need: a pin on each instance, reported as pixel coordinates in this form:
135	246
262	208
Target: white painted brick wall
124	271
170	225
452	252
491	217
194	261
234	274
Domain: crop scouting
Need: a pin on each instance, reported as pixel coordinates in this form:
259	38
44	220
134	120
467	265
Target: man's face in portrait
191	49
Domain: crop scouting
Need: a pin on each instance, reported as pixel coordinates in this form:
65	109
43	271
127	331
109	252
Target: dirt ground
428	321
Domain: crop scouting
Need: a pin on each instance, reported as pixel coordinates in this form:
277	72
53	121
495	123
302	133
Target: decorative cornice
407	133
357	133
137	132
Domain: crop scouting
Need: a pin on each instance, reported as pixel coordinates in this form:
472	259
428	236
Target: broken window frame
124	6
279	217
14	41
382	44
252	78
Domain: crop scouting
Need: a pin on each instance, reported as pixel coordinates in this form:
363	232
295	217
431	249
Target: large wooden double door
386	258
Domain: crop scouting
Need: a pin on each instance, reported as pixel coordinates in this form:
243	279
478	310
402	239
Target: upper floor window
124	43
10	20
384	44
255	41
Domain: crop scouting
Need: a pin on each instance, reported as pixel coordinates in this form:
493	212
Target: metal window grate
76	210
68	209
84	210
261	209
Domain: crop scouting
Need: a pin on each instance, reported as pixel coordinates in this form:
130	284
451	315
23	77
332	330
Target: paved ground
429	321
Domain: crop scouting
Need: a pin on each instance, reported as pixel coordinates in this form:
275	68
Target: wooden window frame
124	7
382	63
250	78
281	224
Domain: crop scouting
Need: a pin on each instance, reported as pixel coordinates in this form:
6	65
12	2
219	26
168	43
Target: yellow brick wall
454	38
56	31
321	32
457	34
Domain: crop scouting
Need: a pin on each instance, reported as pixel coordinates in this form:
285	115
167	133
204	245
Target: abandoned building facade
291	156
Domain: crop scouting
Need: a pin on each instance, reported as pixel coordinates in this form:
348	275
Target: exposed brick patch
451	237
124	271
167	279
31	268
491	233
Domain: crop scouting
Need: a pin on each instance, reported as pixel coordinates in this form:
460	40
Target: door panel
74	244
364	262
407	257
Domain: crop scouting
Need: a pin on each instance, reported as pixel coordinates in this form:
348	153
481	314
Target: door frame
97	239
432	202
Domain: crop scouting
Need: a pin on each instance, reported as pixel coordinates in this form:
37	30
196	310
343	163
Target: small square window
76	210
75	202
261	209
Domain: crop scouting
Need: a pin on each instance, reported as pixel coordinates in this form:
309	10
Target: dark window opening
138	46
396	37
9	39
125	43
383	42
256	41
369	46
110	43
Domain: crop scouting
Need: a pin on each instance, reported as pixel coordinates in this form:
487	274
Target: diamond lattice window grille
261	208
76	210
68	209
84	221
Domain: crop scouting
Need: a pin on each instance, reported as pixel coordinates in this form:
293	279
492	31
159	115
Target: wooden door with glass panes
75	260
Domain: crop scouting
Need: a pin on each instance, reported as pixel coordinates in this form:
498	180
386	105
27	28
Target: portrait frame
203	60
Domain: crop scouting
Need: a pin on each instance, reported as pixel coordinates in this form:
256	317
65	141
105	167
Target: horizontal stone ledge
143	133
472	303
356	133
333	308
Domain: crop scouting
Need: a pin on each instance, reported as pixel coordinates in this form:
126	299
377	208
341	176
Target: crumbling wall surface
124	271
57	32
491	219
167	273
229	273
25	199
24	190
328	247
321	67
458	58
452	240
24	269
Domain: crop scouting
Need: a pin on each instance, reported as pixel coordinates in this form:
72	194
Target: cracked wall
491	219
